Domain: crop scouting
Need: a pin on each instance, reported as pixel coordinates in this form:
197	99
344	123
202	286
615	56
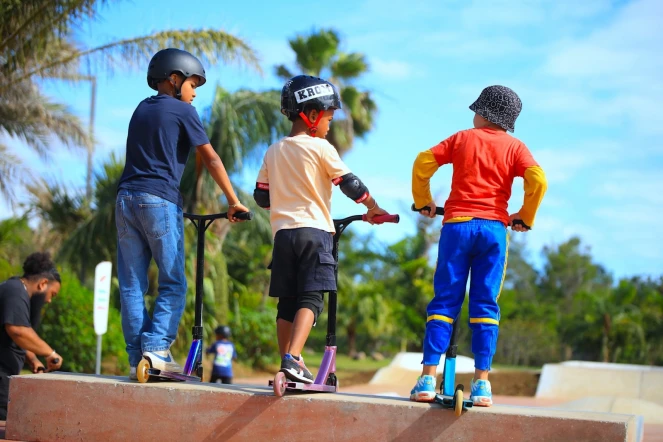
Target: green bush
67	326
254	335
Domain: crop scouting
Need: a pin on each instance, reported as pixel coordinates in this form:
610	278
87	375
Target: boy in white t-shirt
295	183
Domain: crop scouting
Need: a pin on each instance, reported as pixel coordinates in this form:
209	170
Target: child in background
224	354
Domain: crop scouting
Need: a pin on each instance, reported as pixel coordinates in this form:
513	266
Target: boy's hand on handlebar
429	213
232	210
515	226
377	210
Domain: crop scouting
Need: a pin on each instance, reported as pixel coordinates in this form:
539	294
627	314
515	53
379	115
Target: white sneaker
163	360
132	374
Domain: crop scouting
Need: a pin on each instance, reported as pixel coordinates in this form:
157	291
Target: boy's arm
261	192
535	185
216	168
349	183
425	166
195	132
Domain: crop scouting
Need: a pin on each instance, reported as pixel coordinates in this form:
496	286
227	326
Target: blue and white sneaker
481	395
424	390
132	374
163	360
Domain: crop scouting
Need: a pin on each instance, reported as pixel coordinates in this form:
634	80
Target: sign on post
102	280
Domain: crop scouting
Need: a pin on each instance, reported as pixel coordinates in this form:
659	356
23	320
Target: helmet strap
312	127
178	90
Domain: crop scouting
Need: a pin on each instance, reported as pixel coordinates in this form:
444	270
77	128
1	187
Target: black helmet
223	331
499	105
304	93
170	60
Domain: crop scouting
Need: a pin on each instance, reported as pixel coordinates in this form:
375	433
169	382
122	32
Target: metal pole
98	369
90	148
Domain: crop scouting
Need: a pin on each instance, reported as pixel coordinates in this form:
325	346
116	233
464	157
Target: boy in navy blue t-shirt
163	130
224	354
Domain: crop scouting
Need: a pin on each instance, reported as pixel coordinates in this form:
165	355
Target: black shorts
303	267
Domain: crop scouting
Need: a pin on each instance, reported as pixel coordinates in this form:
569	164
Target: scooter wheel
458	398
279	384
142	371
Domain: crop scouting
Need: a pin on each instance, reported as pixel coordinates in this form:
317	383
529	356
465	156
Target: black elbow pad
352	187
261	195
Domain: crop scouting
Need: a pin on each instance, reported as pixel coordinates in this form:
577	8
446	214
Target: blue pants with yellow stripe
478	246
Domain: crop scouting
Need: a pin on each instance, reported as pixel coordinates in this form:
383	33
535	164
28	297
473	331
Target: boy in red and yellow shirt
474	235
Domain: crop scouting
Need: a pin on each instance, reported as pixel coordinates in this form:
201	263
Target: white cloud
454	44
612	75
393	69
632	186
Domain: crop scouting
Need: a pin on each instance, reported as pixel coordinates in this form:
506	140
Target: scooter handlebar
379	219
247	216
438	210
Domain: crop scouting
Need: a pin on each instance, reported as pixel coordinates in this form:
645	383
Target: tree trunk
605	350
352	338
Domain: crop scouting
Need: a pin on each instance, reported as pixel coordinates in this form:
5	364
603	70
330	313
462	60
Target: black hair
39	265
305	110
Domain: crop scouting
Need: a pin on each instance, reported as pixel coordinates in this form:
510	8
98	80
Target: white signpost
102	280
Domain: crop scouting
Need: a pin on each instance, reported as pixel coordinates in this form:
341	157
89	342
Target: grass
346	363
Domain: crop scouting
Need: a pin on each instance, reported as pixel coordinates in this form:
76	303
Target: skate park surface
63	406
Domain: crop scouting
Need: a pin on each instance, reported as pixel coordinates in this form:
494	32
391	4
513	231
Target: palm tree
37	43
240	126
319	54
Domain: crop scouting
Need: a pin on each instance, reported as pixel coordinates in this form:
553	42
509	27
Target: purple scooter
326	380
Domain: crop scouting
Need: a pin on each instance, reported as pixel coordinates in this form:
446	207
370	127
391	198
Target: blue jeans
149	227
479	246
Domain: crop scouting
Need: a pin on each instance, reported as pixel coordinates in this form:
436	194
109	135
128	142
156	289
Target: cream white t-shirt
298	171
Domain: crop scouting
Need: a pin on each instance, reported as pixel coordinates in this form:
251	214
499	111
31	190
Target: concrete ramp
98	408
578	379
405	368
651	412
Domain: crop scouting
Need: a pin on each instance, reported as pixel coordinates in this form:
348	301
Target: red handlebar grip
379	219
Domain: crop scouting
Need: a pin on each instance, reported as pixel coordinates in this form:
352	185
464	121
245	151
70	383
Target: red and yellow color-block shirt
485	163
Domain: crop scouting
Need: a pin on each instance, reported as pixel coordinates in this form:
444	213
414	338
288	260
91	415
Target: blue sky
588	73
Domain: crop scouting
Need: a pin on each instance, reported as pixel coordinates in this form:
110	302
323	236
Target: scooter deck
300	386
168	376
450	401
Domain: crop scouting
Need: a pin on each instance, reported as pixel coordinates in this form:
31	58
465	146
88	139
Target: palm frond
27	114
12	173
29	27
283	72
349	66
315	51
209	45
362	108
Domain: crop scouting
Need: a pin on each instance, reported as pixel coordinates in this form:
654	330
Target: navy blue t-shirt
224	352
14	310
162	132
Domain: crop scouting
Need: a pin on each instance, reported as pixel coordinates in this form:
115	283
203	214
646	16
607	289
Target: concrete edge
627	419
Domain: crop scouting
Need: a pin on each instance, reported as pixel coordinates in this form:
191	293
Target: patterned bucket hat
499	105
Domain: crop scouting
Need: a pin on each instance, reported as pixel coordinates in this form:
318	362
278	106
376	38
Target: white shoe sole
290	374
482	401
424	396
157	364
